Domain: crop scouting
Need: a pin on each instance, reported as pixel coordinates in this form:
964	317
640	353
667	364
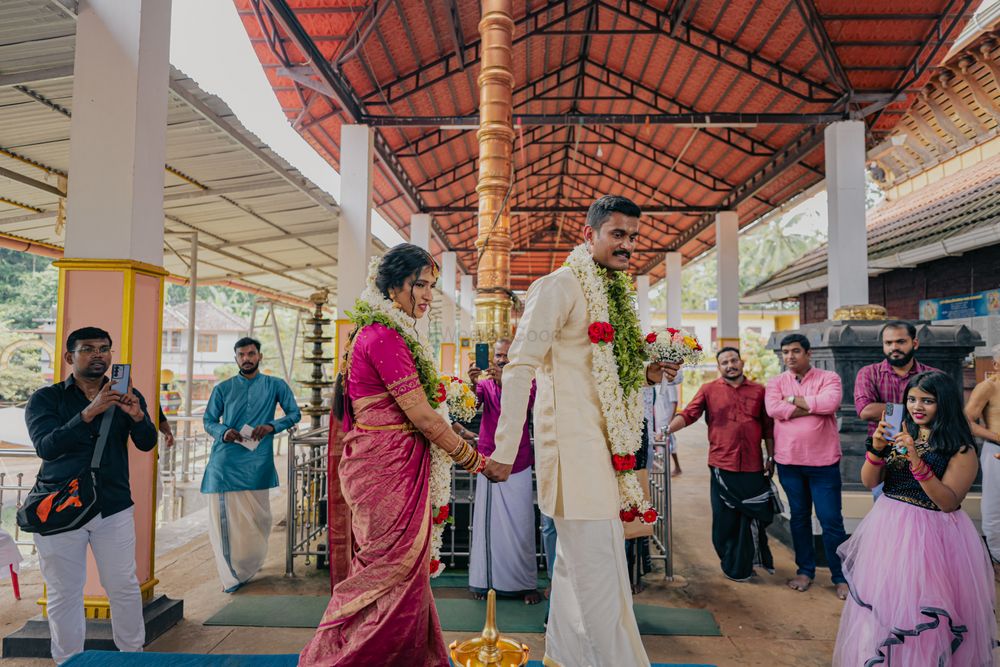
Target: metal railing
13	484
307	480
659	493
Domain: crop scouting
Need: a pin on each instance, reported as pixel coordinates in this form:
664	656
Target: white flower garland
623	414
440	472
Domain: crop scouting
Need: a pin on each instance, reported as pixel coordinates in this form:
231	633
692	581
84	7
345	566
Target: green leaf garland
628	343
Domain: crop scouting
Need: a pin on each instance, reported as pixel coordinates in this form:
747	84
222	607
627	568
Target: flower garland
373	307
618	358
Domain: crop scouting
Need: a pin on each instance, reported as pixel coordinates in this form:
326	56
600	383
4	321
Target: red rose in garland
623	462
651	337
627	515
442	515
442	394
649	516
435	564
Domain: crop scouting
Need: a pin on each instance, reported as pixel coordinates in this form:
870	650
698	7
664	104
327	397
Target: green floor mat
514	616
460	579
272	611
460	615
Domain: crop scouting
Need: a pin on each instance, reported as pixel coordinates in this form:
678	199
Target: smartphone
119	377
894	417
482	356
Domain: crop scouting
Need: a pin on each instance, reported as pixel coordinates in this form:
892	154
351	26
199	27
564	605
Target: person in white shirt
660	405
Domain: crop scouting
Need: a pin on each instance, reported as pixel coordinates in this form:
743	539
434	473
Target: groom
590	619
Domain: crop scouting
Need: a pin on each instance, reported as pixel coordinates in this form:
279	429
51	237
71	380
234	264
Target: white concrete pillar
467	302
447	284
357	150
111	275
114	206
847	257
642	292
673	275
420	230
727	250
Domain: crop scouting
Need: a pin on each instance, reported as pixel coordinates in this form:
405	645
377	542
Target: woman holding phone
919	575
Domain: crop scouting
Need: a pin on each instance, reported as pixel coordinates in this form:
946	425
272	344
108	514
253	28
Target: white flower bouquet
672	345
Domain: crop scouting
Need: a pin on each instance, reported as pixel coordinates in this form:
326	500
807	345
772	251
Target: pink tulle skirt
921	591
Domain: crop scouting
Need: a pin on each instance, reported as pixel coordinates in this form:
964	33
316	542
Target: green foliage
28	289
763	252
628	345
23	375
759	363
233	300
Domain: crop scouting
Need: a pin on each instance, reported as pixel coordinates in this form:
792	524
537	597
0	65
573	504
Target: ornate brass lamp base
489	648
865	311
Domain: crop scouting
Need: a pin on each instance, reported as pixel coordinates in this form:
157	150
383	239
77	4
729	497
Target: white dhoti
591	621
503	536
238	528
991	498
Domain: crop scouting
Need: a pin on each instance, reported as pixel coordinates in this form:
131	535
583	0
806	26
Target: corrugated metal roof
260	222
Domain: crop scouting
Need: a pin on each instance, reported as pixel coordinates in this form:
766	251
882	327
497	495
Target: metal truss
776	75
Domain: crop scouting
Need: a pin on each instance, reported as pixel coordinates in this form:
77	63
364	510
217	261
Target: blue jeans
549	543
806	486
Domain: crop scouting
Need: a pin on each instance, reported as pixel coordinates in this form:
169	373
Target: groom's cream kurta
572	460
591	623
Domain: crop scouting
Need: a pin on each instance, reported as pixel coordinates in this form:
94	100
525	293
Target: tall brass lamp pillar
496	144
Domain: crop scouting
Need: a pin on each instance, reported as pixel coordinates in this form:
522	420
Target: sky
209	44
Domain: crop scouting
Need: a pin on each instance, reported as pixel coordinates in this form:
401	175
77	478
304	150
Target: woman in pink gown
919	574
383	612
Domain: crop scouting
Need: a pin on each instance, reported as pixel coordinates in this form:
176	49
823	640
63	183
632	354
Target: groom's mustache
622	253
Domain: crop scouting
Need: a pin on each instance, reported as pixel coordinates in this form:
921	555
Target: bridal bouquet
672	345
460	399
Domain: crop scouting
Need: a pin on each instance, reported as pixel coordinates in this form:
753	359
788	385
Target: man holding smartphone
64	421
241	417
885	381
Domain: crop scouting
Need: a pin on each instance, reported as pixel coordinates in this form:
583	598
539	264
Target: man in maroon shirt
743	502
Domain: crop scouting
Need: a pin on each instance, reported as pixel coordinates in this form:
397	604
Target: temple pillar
112	272
727	243
642	299
496	143
673	278
847	256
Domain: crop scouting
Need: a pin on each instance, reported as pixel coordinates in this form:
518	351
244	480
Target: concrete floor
764	623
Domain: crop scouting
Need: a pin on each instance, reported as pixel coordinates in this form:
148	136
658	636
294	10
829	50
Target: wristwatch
790	399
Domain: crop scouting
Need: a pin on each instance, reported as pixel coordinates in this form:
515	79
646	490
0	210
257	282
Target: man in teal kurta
240	416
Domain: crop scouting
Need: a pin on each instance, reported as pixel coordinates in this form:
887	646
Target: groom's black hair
602	209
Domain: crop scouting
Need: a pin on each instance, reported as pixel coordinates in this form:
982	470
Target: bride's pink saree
383	612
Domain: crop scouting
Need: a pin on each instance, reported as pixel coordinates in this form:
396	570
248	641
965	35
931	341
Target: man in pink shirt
803	402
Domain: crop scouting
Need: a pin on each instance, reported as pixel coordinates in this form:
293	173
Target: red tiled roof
410	59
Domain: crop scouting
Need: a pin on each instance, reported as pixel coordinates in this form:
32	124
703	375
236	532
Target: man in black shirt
64	421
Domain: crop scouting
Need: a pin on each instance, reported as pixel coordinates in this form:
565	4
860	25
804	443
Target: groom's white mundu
591	620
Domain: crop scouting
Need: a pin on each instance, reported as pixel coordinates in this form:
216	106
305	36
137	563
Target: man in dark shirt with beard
64	421
742	501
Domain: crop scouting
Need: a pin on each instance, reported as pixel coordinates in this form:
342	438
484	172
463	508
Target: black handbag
51	508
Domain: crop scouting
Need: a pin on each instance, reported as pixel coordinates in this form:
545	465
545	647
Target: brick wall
901	290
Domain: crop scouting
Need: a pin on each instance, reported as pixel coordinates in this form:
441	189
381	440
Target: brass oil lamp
489	648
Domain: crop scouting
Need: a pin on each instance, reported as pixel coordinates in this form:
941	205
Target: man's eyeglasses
89	349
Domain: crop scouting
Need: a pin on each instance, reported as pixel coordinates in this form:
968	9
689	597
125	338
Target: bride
383	612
